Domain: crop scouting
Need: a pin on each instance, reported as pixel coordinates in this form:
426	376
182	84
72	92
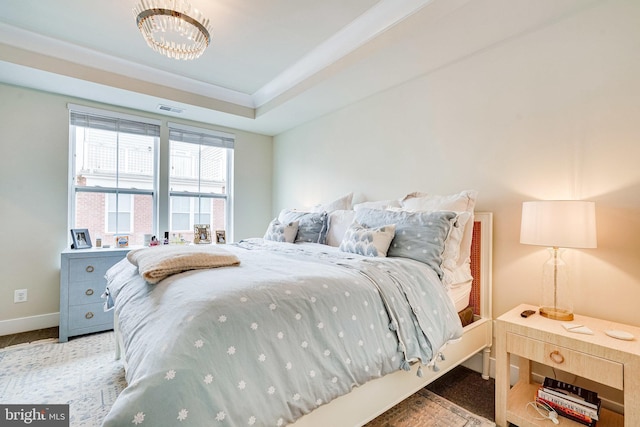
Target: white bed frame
366	402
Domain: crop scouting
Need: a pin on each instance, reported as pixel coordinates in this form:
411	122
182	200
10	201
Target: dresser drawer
584	365
90	269
86	292
89	315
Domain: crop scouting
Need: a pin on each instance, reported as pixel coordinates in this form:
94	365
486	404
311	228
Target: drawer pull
89	269
89	292
89	315
556	356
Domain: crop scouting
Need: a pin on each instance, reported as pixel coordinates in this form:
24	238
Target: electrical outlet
20	295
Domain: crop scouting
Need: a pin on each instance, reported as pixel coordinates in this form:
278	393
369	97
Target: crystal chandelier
173	28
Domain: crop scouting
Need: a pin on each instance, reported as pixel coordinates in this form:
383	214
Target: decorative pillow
343	203
279	232
312	226
464	201
372	242
339	222
419	235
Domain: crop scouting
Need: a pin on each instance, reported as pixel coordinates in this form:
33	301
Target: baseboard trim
31	323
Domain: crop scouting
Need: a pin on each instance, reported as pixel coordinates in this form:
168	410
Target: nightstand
598	357
82	283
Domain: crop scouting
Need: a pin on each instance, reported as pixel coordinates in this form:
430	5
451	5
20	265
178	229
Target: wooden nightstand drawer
584	365
89	269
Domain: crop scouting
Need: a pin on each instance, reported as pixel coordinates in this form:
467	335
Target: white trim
112	114
31	323
205	131
384	15
43	45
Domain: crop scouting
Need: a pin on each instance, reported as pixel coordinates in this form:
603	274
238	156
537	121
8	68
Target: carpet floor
450	401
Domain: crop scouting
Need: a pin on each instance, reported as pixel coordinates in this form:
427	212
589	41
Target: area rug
425	408
83	373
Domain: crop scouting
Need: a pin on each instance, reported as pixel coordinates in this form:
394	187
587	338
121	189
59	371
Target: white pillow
373	242
339	222
342	203
464	201
380	204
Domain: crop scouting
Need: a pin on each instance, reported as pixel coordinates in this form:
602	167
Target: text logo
34	415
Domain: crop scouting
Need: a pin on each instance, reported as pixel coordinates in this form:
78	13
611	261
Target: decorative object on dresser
595	357
558	224
80	238
202	233
82	283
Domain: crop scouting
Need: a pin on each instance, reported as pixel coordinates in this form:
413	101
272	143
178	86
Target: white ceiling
271	65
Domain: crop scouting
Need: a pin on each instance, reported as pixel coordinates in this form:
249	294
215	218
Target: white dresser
82	283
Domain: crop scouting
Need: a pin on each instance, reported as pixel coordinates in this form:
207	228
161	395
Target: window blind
114	124
212	138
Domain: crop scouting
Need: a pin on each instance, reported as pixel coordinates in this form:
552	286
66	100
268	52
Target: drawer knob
556	356
89	269
89	315
89	292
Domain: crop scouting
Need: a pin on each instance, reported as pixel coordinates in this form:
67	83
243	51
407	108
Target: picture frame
80	238
221	238
202	234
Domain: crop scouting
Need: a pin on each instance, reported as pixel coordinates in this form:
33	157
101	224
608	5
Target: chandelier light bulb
173	28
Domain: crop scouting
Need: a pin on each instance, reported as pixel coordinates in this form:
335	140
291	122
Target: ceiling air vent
170	109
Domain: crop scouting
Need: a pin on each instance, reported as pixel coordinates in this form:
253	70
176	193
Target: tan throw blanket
159	262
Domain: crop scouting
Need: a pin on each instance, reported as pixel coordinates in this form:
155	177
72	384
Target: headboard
481	264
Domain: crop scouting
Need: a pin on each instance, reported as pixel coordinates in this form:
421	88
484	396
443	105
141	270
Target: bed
301	334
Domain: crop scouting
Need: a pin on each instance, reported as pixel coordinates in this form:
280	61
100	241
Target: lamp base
556	313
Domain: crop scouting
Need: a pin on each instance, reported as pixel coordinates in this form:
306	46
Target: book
558	399
571	392
568	413
573	399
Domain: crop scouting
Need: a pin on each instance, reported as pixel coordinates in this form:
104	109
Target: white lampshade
559	223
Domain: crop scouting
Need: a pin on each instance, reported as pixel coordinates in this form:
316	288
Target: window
119	213
113	174
199	178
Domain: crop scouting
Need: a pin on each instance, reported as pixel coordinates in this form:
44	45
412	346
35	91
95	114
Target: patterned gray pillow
279	232
372	242
312	226
419	235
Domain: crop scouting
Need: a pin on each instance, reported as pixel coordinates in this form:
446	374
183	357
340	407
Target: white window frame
74	189
213	138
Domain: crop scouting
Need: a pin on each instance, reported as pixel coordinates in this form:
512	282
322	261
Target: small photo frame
80	238
201	233
221	237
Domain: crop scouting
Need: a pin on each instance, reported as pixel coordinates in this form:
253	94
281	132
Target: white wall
549	114
34	148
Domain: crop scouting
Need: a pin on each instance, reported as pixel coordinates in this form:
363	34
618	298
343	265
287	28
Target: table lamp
558	224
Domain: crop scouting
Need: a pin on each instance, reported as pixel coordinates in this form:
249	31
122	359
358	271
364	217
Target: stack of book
570	401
